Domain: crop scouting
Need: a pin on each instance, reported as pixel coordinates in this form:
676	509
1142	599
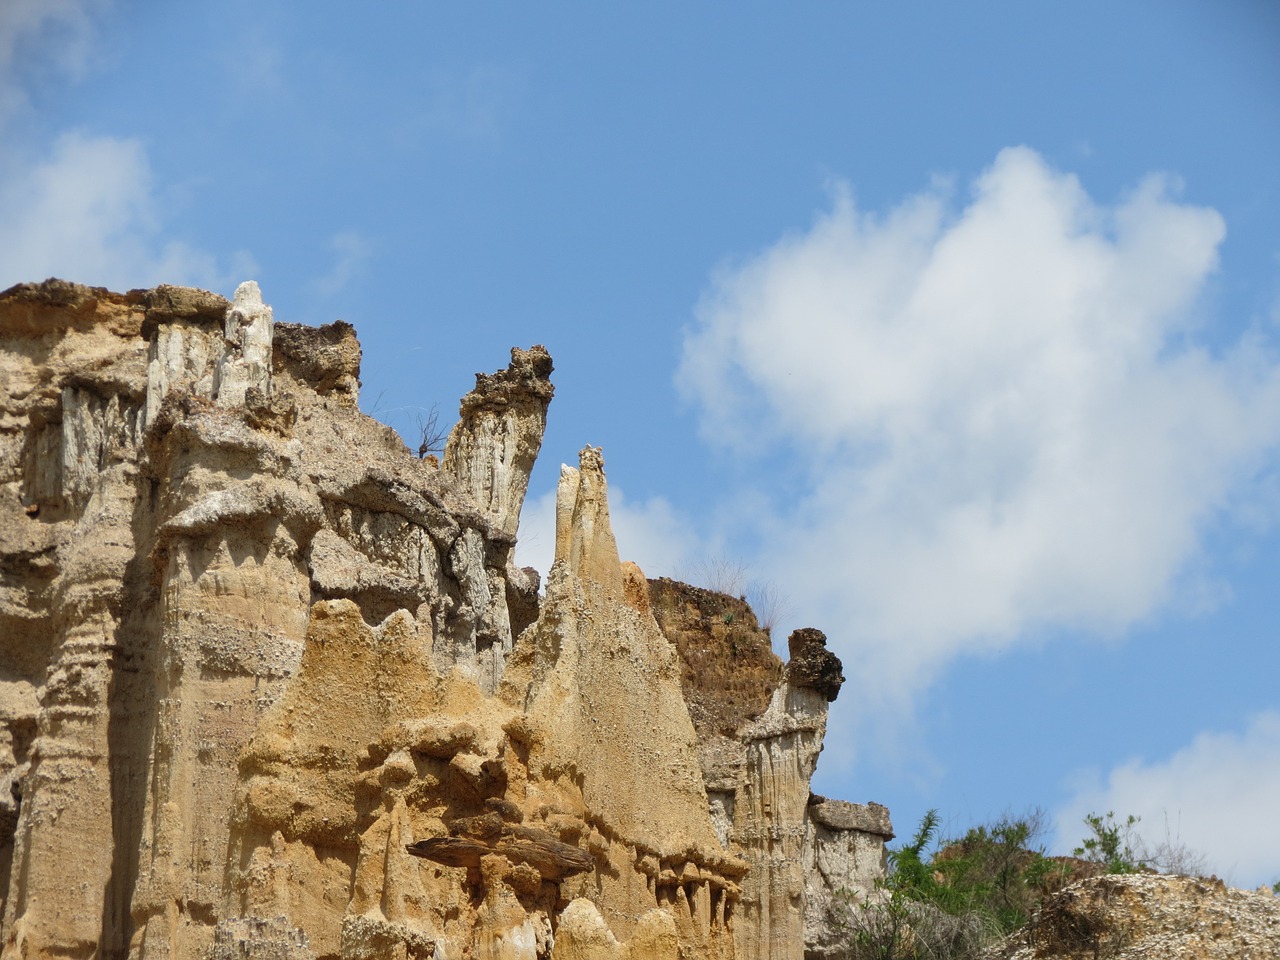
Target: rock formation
272	686
760	726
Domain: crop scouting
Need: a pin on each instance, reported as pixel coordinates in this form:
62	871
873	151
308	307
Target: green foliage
997	870
1111	843
909	872
950	901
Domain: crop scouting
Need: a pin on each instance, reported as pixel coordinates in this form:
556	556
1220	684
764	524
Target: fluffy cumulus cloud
1210	797
1002	415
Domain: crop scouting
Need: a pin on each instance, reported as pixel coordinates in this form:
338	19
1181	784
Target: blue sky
956	323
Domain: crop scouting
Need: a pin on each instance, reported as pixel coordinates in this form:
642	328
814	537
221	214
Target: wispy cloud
1217	796
472	104
90	212
84	207
65	25
42	35
1003	415
351	251
254	65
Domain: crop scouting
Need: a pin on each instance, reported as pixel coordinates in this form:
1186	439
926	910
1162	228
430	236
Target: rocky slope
272	686
1150	917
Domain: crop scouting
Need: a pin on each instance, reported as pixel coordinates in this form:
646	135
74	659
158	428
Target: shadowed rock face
261	692
728	670
812	664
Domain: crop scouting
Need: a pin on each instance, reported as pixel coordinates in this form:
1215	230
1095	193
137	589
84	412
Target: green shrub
998	870
951	901
1111	843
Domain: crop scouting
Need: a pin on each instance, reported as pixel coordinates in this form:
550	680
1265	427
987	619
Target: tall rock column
846	861
490	454
66	820
234	515
68	526
492	448
771	813
610	740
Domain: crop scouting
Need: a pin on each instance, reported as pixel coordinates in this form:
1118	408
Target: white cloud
85	208
649	533
351	251
42	34
1004	416
1217	796
89	212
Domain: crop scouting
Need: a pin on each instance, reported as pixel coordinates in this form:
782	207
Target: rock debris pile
1142	916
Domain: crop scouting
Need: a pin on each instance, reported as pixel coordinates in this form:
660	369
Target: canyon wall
272	686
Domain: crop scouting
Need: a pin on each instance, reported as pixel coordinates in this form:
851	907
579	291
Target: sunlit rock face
271	685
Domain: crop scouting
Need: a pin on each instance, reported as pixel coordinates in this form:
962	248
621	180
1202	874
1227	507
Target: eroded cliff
272	686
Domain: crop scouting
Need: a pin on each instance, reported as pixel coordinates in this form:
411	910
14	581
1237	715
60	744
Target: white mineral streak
246	360
184	357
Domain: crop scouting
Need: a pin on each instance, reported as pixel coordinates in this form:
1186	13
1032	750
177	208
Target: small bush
431	436
1171	855
953	902
1111	842
999	869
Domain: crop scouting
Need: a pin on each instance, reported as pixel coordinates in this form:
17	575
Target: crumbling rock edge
272	686
1147	916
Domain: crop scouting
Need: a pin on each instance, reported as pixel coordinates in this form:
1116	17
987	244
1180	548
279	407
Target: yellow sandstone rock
272	686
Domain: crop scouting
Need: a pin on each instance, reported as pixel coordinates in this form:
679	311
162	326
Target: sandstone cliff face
272	686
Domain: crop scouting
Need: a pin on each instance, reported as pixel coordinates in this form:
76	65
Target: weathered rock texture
760	726
271	686
1149	917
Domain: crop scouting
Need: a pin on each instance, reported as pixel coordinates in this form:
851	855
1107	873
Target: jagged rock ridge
272	686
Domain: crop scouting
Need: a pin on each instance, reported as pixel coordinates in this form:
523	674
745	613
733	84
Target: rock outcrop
760	725
272	686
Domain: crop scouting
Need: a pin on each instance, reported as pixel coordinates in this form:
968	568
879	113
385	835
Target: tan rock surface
271	686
